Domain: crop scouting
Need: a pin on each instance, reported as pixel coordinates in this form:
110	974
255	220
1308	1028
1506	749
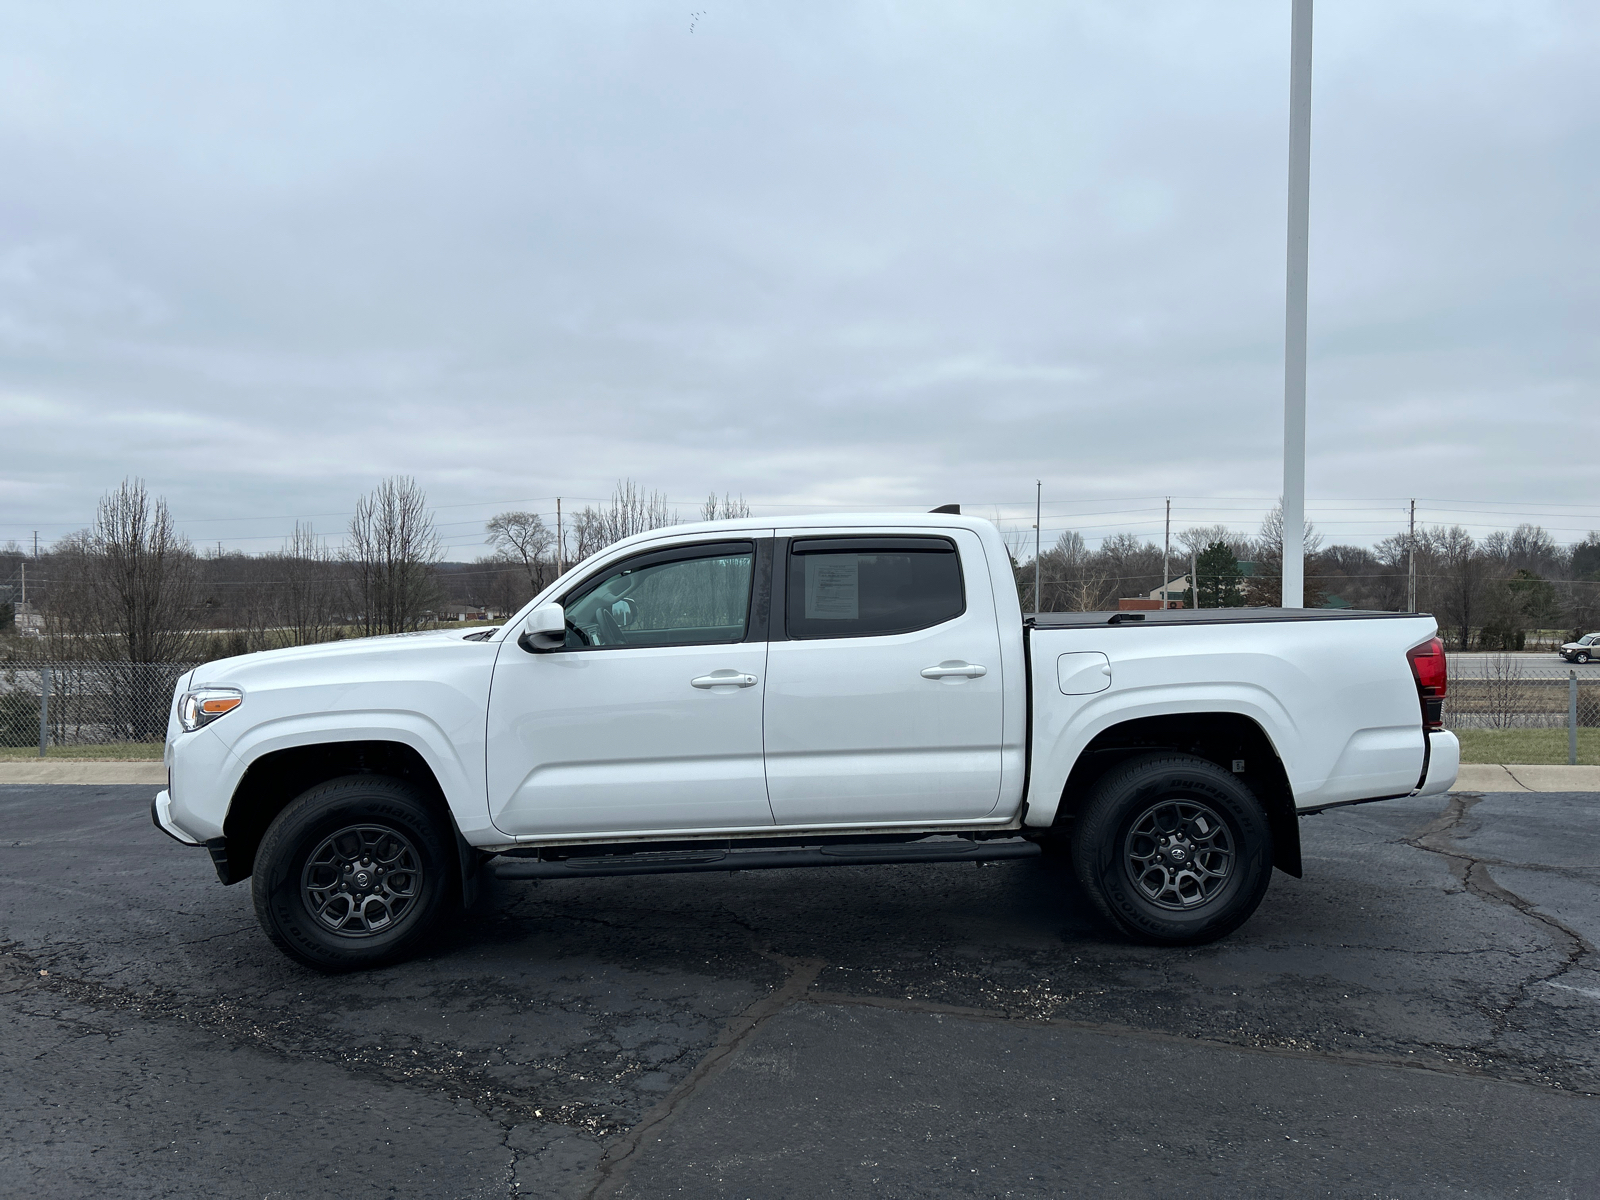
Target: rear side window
858	587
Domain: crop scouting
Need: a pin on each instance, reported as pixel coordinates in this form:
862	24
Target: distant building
466	612
1173	592
1168	595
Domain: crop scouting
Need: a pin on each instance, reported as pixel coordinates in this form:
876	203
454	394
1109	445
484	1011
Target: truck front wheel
352	874
1172	849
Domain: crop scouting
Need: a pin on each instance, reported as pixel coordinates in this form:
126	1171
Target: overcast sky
841	254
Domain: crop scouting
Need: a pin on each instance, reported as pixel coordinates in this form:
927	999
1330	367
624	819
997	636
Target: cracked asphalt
1419	1016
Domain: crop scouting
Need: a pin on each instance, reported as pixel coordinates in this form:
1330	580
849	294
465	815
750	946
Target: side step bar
726	858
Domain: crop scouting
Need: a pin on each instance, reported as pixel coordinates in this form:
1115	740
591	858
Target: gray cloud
826	253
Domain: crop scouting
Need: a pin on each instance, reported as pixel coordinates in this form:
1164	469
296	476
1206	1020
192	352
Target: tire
1582	656
371	855
1173	850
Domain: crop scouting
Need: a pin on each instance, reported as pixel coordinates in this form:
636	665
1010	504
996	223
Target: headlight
204	705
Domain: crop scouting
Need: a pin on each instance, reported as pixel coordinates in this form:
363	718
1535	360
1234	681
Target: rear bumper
1444	763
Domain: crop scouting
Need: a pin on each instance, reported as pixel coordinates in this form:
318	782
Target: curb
1514	777
45	771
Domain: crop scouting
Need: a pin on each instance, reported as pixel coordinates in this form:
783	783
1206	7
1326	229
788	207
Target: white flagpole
1294	347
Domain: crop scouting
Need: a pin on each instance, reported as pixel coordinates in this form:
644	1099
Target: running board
721	858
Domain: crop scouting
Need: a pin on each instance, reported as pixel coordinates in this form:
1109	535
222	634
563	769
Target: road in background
1543	665
1419	1016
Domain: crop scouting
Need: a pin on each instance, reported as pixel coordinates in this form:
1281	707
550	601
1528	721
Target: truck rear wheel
352	874
1173	850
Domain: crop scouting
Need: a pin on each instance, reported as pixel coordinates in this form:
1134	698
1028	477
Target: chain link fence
1495	693
49	704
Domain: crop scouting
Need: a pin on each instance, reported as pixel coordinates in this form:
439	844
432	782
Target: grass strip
110	752
1531	746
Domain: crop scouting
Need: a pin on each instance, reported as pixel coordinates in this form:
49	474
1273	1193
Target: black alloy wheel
353	873
1172	850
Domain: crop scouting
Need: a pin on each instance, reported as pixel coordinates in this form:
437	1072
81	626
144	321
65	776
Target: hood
385	648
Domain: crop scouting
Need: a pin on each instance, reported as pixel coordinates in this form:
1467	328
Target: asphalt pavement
1419	1016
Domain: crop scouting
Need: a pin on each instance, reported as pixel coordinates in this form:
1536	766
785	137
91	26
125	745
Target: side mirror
544	630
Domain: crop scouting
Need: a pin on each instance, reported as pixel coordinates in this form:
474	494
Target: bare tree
391	552
1197	539
522	538
1504	702
130	581
242	603
1071	576
727	509
126	593
309	588
1456	586
630	511
1265	586
1132	566
1525	548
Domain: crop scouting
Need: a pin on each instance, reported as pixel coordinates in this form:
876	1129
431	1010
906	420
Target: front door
884	692
649	718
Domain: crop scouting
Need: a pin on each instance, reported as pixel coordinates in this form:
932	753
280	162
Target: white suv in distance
1582	650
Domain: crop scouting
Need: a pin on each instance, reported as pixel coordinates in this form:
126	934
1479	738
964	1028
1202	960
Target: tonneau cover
1207	616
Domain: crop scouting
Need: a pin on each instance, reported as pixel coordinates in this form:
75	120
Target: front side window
682	597
847	587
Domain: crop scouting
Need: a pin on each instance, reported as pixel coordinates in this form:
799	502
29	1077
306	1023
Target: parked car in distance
1582	650
806	692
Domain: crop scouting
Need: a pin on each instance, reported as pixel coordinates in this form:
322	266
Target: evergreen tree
1220	580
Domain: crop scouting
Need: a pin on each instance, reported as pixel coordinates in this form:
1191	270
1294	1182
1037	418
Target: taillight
1427	668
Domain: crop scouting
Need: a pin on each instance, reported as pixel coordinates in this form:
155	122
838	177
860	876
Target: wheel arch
277	777
1218	737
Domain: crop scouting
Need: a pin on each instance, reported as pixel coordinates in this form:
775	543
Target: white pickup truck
820	691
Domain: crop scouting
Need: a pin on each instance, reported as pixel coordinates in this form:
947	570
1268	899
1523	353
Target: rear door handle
724	679
956	668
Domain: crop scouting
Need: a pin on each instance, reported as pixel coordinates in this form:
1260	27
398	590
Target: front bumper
161	816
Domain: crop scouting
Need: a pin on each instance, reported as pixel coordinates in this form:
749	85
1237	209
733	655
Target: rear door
885	692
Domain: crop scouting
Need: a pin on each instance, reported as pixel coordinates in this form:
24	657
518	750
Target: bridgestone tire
301	849
1111	846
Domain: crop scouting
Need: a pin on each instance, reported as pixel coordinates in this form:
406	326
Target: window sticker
833	587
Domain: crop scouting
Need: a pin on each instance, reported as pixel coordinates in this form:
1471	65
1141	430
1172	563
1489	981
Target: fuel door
1083	673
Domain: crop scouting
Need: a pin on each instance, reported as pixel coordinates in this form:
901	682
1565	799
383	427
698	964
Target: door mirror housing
544	630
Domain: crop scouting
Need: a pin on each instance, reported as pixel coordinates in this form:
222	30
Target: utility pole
1166	555
1194	578
1294	340
561	543
1038	538
1411	561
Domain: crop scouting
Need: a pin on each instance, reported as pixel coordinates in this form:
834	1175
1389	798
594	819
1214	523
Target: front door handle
724	679
954	667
